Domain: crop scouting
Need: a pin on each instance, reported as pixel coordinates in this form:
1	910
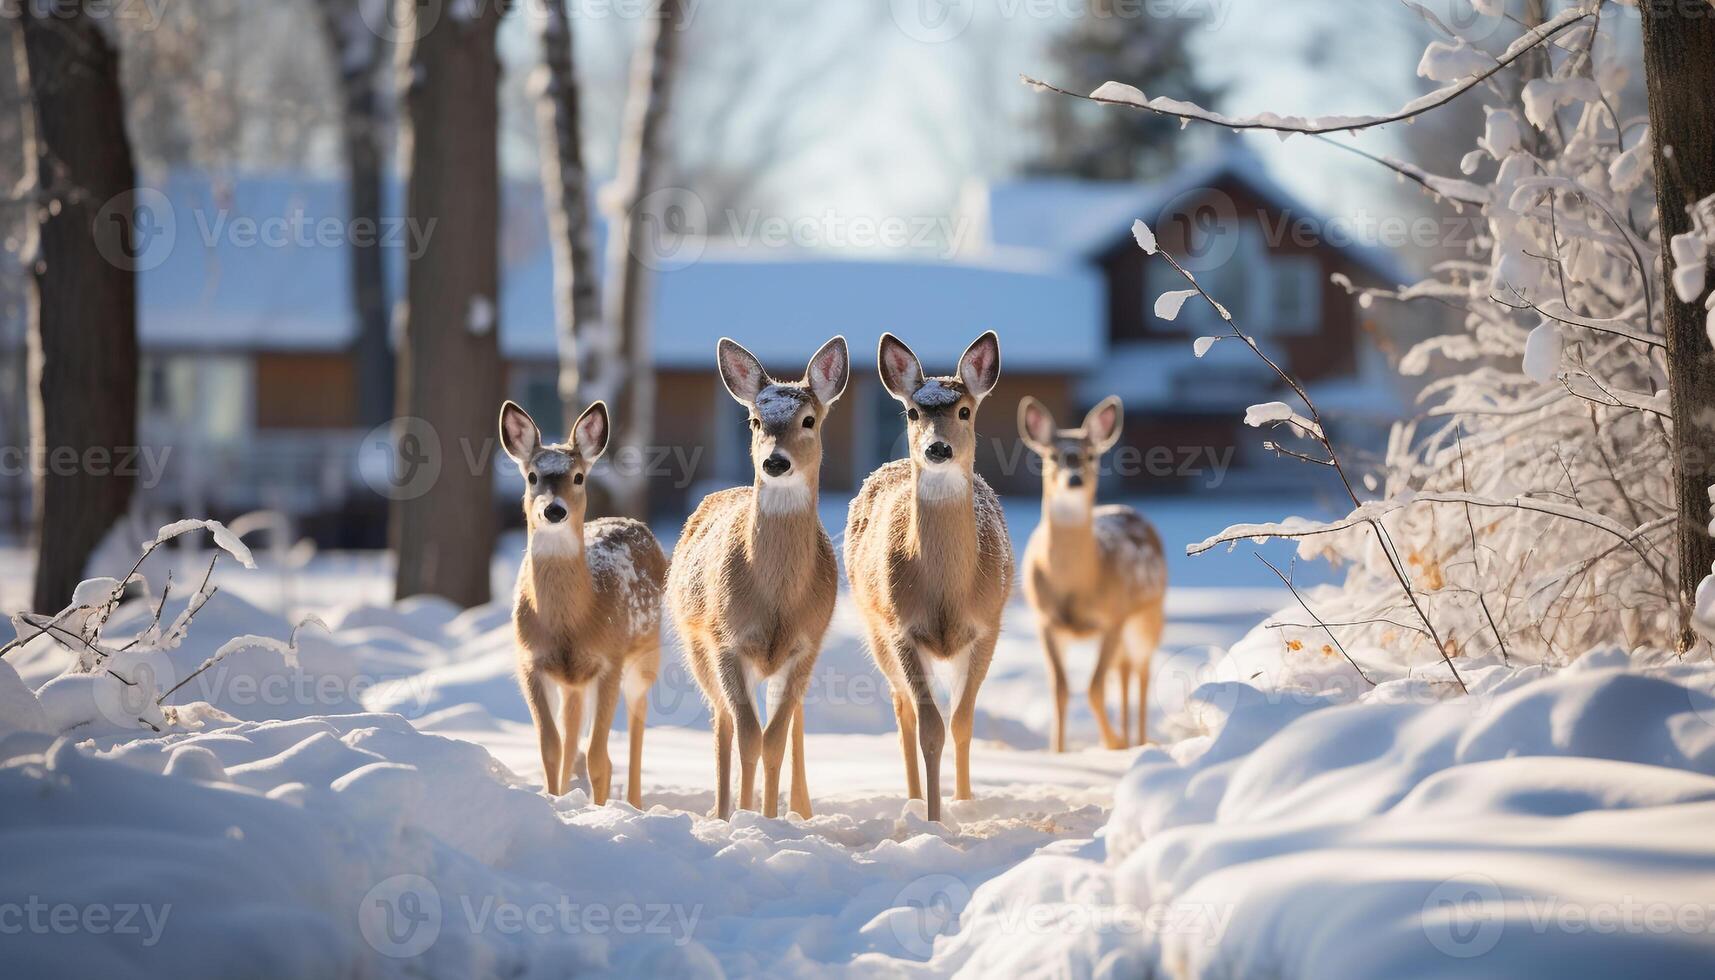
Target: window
1296	282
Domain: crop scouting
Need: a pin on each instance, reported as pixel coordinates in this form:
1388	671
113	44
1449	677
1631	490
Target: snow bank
1551	823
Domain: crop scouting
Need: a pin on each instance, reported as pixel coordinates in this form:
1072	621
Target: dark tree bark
565	186
449	361
83	315
356	51
639	173
1679	65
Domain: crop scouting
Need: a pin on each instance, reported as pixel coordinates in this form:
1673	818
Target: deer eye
809	421
577	479
965	412
756	423
532	479
911	414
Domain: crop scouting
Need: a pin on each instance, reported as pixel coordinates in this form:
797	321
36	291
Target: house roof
1089	218
216	284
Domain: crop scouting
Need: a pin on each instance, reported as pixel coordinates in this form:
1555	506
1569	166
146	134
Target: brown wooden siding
1330	351
305	391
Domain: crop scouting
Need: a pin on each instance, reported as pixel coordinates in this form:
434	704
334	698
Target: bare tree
640	172
356	52
83	317
1679	68
565	185
449	359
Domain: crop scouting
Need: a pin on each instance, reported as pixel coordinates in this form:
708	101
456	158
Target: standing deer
929	559
1091	570
588	614
753	581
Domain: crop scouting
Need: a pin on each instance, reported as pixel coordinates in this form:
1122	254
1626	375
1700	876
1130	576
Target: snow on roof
1087	218
215	288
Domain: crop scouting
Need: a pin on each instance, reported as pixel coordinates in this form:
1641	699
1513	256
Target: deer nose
938	452
776	465
1074	479
554	513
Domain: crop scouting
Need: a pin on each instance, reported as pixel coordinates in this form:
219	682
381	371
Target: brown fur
754	580
586	617
1091	571
931	570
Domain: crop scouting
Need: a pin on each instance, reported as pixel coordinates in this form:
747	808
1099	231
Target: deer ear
901	372
589	435
829	371
979	368
1103	423
740	370
1036	425
519	435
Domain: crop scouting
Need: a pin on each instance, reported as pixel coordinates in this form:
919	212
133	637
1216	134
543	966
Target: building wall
306	391
1328	349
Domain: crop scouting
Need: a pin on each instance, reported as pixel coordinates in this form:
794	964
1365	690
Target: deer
1091	571
587	617
929	560
754	579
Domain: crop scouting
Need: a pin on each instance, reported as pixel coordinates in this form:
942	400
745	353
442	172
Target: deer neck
1071	534
559	573
780	530
943	517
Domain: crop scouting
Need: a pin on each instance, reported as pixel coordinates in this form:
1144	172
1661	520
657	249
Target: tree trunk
1679	64
443	514
356	52
639	174
96	230
565	187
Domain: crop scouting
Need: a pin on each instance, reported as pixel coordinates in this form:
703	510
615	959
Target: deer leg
906	715
601	767
723	764
1123	666
571	718
1057	678
640	675
774	737
739	705
542	713
964	714
800	788
1099	688
1142	704
931	730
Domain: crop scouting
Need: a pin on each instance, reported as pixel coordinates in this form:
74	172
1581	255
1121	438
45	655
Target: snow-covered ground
376	811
